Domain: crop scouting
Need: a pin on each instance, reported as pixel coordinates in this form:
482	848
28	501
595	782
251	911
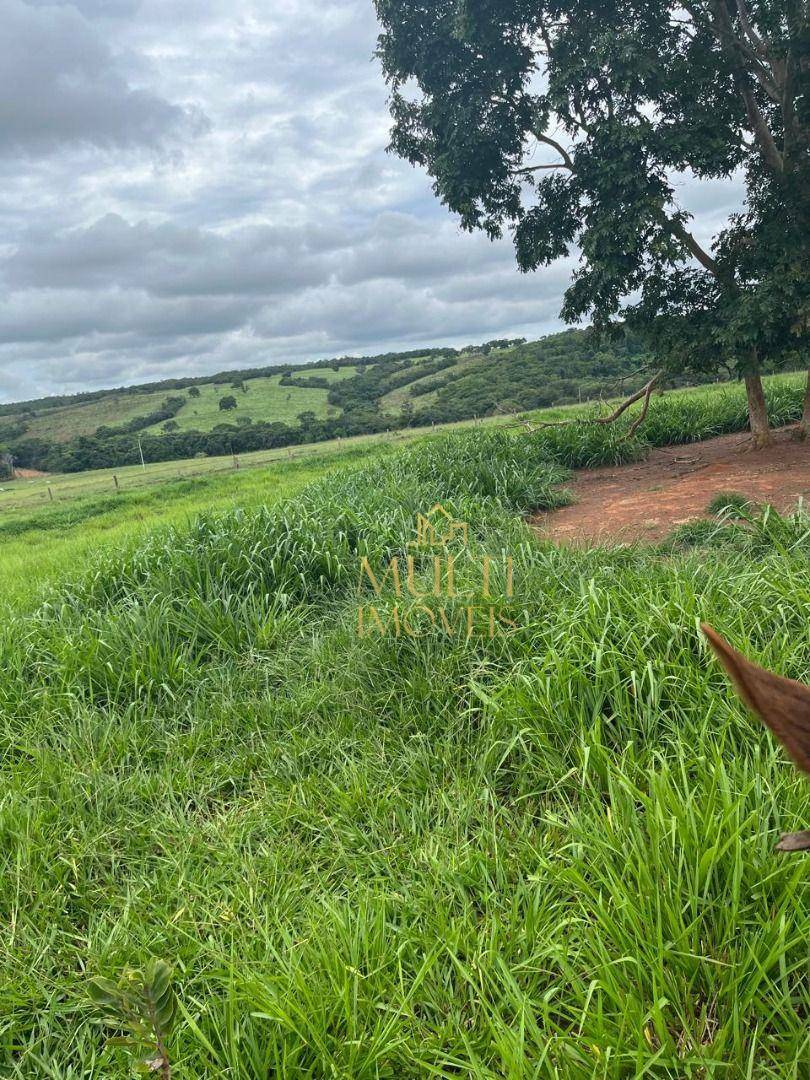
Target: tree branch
733	47
547	139
538	168
642	416
677	229
644	392
745	22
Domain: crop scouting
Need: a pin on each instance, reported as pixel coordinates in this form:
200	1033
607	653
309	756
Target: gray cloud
193	185
171	260
60	83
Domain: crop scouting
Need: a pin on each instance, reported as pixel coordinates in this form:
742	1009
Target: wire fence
44	490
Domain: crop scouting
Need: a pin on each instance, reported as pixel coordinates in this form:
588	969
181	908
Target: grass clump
546	852
729	503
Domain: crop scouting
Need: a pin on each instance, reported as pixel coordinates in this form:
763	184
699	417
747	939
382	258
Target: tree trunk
804	424
757	412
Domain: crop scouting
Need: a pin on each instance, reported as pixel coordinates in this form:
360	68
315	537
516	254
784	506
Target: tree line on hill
193	382
440	385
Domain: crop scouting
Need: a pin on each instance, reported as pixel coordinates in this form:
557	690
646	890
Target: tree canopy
571	122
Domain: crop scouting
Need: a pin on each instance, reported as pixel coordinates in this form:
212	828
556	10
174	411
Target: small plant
726	502
143	1004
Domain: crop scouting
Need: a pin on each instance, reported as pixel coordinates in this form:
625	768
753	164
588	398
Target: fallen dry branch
642	416
645	392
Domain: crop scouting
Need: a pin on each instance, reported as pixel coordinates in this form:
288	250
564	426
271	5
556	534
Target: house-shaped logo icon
438	527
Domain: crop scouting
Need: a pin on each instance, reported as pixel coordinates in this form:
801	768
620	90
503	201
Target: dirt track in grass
646	501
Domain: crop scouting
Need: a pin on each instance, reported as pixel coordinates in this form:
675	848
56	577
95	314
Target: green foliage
143	1004
558	369
227	402
726	502
748	530
633	94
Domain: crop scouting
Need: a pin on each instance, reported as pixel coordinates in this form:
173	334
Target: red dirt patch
646	501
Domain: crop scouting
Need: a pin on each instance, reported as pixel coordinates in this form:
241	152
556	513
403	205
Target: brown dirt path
646	501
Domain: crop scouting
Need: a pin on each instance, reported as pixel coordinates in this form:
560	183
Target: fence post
117	488
50	494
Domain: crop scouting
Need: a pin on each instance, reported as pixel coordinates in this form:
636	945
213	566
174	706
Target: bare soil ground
646	501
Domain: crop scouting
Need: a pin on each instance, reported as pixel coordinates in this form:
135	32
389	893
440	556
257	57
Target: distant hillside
258	408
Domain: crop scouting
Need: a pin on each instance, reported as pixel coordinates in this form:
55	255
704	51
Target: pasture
64	422
540	848
265	400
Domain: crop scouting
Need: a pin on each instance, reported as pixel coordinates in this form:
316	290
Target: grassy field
542	848
265	400
65	422
26	496
53	539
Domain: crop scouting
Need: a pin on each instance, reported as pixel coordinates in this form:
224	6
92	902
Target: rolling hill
262	408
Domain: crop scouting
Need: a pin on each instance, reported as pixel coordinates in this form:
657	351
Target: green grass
329	373
44	541
265	400
728	501
67	421
23	496
545	853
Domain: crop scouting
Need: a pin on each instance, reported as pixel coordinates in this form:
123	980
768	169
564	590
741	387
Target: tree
170	426
566	123
226	403
194	391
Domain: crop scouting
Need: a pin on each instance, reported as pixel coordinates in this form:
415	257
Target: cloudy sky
195	185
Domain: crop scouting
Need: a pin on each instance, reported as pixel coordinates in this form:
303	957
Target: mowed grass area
541	852
67	421
265	400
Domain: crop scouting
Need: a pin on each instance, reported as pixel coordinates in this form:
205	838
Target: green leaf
103	992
